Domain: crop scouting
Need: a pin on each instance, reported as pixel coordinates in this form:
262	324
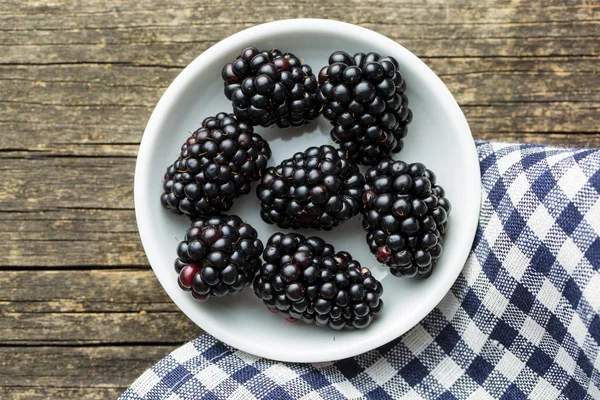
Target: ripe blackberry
216	165
304	278
363	97
271	87
219	256
405	213
317	188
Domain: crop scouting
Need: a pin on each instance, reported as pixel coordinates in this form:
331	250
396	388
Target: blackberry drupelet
363	97
271	87
216	165
317	188
304	278
219	256
405	213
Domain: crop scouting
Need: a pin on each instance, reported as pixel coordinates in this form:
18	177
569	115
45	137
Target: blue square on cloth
479	369
578	156
497	194
245	374
572	292
539	362
584	363
515	225
522	298
448	338
513	393
595	329
491	266
555	328
216	352
574	391
569	219
378	394
543	185
414	372
471	303
278	393
593	254
504	333
349	367
177	377
543	259
315	379
532	158
447	396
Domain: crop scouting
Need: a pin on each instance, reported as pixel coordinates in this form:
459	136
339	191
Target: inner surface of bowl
438	136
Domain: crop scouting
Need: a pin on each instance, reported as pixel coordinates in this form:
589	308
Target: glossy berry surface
405	214
363	97
271	87
318	188
305	279
217	164
219	256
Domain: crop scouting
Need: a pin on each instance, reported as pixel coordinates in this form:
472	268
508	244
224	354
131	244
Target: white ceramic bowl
438	136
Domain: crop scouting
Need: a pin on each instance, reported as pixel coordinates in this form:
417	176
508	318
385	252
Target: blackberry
216	165
363	97
317	188
304	278
271	87
405	213
219	256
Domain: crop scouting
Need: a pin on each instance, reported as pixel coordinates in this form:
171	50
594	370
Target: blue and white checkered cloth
522	320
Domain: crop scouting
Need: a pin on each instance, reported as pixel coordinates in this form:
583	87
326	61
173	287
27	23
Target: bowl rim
160	112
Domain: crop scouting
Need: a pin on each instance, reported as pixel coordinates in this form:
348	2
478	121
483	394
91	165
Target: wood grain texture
81	314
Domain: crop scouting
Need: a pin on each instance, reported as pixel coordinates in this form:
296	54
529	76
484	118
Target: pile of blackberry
318	188
305	279
217	164
271	87
404	210
363	97
220	255
404	214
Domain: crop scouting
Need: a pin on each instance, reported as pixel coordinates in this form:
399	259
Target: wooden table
81	313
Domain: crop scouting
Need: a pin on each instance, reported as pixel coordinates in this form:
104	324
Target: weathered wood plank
96	328
49	392
67	182
83	291
71	370
75	238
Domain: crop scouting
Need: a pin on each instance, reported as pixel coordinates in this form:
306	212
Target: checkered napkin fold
522	320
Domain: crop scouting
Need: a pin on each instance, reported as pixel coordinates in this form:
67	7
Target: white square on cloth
510	366
569	255
347	389
211	376
280	374
516	262
146	382
548	295
447	372
540	222
381	371
544	390
572	181
532	331
518	188
185	353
